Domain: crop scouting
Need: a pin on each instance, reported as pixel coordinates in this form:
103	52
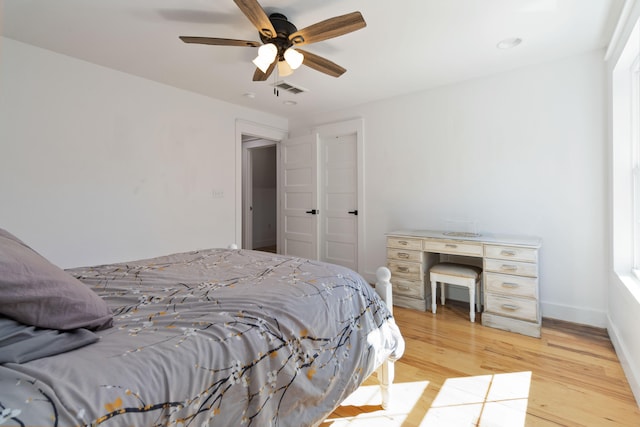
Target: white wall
521	153
99	166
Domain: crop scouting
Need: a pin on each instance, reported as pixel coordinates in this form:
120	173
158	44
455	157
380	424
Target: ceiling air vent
282	85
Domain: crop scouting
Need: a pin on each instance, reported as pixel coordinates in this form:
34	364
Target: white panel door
299	183
339	194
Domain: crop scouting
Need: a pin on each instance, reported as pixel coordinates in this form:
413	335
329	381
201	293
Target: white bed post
386	370
383	286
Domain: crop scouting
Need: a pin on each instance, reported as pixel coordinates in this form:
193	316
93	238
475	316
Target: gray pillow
35	292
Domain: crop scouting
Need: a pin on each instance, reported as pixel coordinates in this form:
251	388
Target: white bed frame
385	372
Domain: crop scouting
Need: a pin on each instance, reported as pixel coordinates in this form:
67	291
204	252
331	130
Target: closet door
299	196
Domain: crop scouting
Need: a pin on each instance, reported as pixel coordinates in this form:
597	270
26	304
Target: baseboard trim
580	315
633	377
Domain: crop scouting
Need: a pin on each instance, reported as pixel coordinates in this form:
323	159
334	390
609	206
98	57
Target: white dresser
510	273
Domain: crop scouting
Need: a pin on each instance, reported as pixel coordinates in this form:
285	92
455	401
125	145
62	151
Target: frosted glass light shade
261	63
293	58
266	55
284	69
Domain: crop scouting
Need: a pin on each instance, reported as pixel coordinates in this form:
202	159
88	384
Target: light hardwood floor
456	373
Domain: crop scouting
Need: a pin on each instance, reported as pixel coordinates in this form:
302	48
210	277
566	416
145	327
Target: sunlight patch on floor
481	401
498	400
404	398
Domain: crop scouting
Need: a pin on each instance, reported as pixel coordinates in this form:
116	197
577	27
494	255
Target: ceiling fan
280	39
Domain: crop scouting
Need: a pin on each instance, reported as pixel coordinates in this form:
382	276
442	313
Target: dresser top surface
490	238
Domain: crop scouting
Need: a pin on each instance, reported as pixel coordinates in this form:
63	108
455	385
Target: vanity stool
459	275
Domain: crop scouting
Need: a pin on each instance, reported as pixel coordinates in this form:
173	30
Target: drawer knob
404	287
450	245
403	269
403	242
510	307
507	267
403	255
507	253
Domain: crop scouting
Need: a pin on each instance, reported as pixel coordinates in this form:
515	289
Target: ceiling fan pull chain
276	92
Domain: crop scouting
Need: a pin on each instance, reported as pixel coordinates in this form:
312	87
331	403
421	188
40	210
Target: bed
220	337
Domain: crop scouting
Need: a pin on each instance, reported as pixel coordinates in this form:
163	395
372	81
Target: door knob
354	212
313	211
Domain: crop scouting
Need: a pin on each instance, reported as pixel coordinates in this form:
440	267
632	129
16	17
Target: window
634	106
625	160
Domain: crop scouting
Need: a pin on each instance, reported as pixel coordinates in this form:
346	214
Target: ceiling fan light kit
267	53
279	36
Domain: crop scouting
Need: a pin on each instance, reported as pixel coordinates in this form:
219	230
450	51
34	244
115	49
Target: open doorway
259	194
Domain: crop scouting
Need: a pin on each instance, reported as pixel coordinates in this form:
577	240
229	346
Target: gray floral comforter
210	338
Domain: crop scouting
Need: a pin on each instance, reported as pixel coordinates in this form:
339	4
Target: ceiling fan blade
257	16
219	42
321	64
259	76
329	28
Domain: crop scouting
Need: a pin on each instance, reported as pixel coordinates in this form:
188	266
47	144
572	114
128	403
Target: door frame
350	127
261	131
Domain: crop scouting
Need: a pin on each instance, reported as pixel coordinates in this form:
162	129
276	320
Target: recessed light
509	43
249	95
289	102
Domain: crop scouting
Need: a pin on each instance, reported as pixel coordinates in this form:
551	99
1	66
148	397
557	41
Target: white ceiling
407	46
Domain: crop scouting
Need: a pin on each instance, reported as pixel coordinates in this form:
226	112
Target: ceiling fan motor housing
283	28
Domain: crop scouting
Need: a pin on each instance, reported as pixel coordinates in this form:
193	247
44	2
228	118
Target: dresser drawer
511	267
453	247
404	255
408	288
511	285
511	253
407	270
519	308
404	243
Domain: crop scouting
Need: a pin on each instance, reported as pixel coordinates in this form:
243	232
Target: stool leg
442	297
472	303
434	285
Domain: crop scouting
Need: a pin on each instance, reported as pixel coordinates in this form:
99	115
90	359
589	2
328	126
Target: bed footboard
385	372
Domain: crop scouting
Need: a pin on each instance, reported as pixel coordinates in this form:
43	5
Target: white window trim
634	75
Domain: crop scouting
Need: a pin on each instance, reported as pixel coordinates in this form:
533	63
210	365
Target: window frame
634	110
625	157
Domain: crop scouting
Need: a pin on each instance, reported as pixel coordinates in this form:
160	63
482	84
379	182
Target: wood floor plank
571	377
